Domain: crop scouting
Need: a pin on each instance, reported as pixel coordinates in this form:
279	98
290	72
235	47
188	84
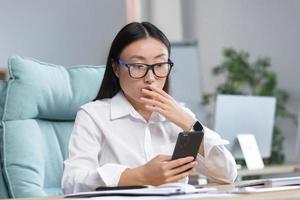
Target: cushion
48	91
3	190
38	105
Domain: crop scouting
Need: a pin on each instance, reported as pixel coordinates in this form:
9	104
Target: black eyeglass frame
127	65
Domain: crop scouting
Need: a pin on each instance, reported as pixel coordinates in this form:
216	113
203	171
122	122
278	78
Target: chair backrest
38	105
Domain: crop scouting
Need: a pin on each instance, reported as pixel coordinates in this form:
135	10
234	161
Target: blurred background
74	32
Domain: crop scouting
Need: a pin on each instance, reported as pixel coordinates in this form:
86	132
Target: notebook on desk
126	192
272	182
149	191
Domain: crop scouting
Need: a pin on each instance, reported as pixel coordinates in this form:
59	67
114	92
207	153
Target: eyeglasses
140	70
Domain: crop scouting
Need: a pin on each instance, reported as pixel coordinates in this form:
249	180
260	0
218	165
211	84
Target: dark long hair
131	32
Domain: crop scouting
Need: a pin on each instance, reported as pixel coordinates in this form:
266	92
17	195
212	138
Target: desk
267	170
278	195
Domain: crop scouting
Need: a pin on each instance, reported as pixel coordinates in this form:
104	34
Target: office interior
76	32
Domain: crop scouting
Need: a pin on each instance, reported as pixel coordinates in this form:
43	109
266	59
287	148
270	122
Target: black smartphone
187	144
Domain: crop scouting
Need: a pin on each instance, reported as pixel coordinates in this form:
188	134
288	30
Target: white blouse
109	136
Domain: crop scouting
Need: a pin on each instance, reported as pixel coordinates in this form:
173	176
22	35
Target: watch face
197	126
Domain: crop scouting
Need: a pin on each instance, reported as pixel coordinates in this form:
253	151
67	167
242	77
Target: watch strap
197	126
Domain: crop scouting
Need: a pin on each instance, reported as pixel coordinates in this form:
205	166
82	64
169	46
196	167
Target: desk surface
267	170
275	169
275	195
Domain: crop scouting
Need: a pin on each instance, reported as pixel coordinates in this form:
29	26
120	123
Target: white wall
66	32
261	27
166	15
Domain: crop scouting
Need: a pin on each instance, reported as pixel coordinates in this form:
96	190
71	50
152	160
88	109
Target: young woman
124	137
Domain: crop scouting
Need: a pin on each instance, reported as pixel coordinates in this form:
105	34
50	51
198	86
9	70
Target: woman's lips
147	88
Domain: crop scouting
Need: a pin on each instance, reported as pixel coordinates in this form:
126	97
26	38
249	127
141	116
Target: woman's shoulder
97	103
98	106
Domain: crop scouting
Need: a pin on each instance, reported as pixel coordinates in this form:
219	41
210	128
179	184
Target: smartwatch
197	126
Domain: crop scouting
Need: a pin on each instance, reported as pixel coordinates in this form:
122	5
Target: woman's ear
116	69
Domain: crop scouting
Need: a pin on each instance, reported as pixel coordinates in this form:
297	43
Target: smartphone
187	144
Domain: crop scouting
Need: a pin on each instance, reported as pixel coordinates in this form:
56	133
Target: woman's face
147	51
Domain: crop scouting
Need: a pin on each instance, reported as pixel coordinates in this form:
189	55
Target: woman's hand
162	169
159	101
159	170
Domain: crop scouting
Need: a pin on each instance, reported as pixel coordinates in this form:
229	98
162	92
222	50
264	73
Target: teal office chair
38	105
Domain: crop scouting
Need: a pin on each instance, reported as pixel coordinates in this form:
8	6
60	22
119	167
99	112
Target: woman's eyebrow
160	55
137	57
143	58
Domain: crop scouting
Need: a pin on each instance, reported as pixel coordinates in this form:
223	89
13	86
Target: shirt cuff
111	173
